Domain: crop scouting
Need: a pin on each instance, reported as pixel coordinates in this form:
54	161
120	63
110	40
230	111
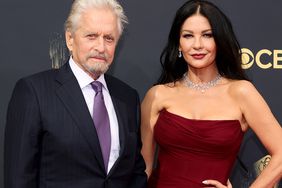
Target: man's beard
98	68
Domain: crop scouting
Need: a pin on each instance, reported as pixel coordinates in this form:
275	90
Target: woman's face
197	43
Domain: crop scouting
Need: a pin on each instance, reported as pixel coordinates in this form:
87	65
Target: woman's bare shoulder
242	88
159	91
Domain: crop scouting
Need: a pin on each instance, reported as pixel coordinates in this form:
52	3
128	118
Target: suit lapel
120	109
71	96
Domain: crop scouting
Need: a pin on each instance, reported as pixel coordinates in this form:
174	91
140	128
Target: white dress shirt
84	81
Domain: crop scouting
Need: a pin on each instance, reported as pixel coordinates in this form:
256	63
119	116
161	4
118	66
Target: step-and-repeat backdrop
31	40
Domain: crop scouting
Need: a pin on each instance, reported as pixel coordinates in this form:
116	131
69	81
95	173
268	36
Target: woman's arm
261	120
149	115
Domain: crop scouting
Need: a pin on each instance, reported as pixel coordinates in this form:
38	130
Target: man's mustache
98	55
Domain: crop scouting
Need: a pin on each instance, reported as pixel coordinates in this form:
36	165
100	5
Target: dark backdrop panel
28	26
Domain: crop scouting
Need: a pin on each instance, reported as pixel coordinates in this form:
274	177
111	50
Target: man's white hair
80	6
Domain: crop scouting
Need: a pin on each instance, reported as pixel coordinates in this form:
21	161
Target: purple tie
101	122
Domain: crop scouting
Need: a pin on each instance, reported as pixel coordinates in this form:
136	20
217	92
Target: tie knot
97	86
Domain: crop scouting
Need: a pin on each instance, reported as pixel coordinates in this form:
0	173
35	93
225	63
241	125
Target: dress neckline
199	120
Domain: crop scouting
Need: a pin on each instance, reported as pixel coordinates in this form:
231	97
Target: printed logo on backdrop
264	58
252	172
57	50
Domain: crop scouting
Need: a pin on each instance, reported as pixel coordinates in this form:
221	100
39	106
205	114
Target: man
64	132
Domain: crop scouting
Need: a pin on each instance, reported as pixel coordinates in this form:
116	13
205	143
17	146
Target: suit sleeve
139	179
22	138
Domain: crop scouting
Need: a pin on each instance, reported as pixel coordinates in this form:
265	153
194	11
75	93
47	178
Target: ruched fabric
191	151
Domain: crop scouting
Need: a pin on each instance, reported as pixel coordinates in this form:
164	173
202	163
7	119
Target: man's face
93	42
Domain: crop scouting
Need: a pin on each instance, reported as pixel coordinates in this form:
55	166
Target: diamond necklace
201	86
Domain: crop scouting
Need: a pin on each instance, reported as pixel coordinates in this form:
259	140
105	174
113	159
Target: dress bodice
191	151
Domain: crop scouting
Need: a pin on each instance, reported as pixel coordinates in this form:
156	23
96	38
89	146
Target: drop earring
179	54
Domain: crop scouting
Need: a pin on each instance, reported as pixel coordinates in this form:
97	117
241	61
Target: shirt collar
82	77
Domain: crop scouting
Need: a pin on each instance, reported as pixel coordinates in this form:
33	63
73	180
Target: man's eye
109	39
91	36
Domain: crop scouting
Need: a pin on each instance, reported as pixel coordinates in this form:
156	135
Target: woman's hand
216	184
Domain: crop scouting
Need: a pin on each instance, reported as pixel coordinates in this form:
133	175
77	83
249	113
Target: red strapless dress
191	151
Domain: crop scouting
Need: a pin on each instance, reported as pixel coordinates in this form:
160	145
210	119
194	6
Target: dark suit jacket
51	141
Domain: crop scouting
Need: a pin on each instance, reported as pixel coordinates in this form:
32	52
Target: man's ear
69	40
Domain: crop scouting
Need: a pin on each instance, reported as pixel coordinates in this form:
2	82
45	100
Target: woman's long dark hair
228	56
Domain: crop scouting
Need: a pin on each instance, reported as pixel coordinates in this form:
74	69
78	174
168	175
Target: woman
202	106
